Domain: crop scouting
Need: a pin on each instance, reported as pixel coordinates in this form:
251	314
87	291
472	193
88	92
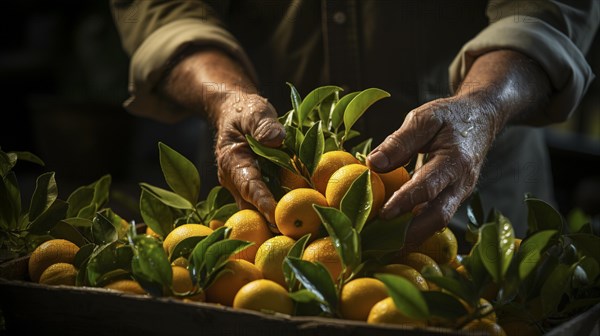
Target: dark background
63	76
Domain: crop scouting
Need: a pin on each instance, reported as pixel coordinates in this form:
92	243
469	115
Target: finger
435	216
260	121
419	127
425	185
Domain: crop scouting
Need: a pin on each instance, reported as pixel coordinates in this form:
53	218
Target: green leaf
381	237
579	222
363	148
497	246
30	157
315	278
105	259
103	230
6	163
305	296
360	104
10	197
475	210
101	191
407	297
358	200
219	252
79	222
218	197
168	198
454	285
79	199
444	305
555	286
63	230
326	107
337	115
150	261
476	269
314	98
296	101
293	139
185	247
46	221
542	216
156	214
330	145
277	156
345	238
312	147
587	244
197	257
83	254
294	252
223	213
44	195
180	173
531	249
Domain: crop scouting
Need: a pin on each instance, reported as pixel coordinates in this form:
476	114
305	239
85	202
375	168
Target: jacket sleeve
155	34
556	35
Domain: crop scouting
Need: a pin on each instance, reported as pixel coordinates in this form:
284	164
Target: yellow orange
270	256
408	273
215	224
48	253
358	296
485	326
385	312
248	225
291	181
59	274
442	246
264	295
393	180
342	179
126	286
182	232
295	215
322	250
234	276
329	163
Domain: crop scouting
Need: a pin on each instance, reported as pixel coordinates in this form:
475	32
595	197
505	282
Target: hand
237	166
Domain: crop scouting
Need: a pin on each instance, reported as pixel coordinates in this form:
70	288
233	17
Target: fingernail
378	160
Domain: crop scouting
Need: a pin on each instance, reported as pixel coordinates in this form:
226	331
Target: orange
270	256
234	276
323	251
408	273
182	281
295	215
385	312
48	253
484	307
59	274
182	232
264	295
215	224
126	286
420	262
152	233
342	179
394	180
248	225
442	246
329	163
485	326
291	181
358	296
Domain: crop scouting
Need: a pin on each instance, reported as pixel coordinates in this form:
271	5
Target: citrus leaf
358	200
454	285
185	247
315	278
156	214
180	173
167	197
337	115
30	157
312	147
44	195
326	107
223	213
542	216
476	269
531	249
219	252
277	156
407	297
10	197
101	191
150	263
46	221
587	244
345	238
103	230
63	230
363	147
295	252
579	222
293	139
296	101
305	296
79	199
381	237
359	104
475	210
330	145
6	163
497	246
197	257
218	197
314	98
444	305
83	254
555	286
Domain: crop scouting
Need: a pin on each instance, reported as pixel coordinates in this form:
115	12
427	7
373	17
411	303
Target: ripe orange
342	179
265	295
270	256
59	274
420	262
408	273
126	286
235	275
358	296
182	232
182	281
291	181
48	253
323	251
329	163
442	246
295	215
251	226
394	180
385	312
485	326
215	224
152	233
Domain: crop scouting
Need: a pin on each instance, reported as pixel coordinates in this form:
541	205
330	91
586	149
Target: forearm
203	80
515	87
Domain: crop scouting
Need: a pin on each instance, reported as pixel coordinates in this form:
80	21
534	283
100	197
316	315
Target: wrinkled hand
456	133
237	166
